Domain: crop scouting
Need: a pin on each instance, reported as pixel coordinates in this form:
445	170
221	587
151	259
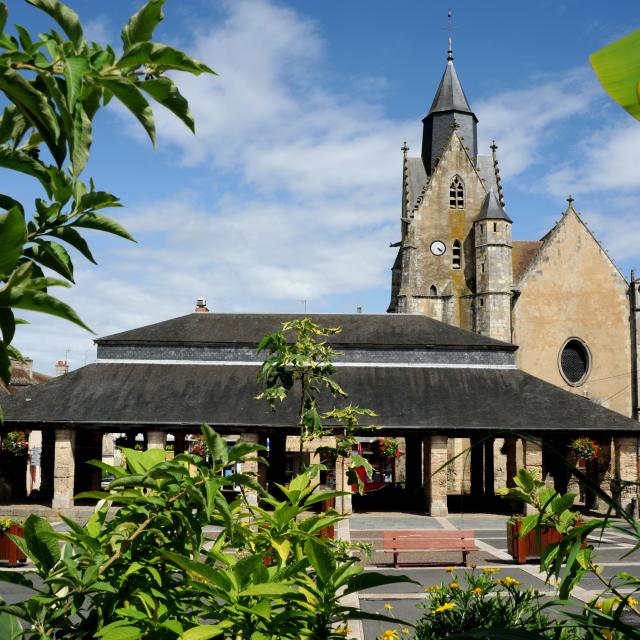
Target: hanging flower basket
584	449
389	447
14	443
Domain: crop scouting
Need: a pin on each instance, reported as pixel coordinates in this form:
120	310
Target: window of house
456	193
574	361
456	255
482	267
495	227
433	291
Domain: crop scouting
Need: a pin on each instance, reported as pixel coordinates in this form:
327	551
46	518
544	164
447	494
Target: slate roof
491	209
357	329
406	398
487	172
417	180
450	96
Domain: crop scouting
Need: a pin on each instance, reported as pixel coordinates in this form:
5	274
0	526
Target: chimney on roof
62	368
201	305
28	368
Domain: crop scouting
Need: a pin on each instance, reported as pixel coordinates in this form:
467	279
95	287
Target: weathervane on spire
450	30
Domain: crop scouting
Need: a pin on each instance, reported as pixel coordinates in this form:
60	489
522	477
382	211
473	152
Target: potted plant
531	535
9	551
584	450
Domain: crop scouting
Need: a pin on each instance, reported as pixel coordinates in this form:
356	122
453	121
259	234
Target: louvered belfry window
574	361
456	258
456	193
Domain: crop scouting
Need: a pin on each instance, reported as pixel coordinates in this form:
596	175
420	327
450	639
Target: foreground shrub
478	601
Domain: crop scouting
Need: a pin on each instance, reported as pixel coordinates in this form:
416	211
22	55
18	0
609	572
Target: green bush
478	601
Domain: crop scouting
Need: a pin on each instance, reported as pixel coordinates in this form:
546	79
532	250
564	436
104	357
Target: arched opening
456	255
456	193
433	290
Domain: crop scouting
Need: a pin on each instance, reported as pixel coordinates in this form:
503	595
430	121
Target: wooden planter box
9	552
534	544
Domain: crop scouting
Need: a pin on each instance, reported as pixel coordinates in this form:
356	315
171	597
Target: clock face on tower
438	248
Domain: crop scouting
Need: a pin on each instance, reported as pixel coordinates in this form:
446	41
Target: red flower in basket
389	447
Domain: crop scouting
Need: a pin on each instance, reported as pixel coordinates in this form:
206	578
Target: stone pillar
626	470
64	469
156	439
456	470
250	466
511	471
178	442
435	477
499	464
343	503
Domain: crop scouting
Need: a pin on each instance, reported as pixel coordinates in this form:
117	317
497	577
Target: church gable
571	290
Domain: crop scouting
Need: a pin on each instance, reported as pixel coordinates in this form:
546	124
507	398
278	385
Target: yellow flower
405	631
597	605
432	588
343	630
388	606
454	585
511	581
490	570
632	601
473	565
478	591
390	634
450	569
445	607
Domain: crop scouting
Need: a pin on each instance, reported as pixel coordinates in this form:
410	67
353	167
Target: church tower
443	193
494	270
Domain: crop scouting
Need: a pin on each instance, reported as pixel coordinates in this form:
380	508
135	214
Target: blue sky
290	190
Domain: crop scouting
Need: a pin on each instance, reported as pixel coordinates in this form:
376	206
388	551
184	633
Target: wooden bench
397	542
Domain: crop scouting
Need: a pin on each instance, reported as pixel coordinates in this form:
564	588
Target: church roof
417	180
147	395
357	329
450	96
491	209
523	252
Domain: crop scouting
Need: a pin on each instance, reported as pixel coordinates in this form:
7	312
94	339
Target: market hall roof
455	399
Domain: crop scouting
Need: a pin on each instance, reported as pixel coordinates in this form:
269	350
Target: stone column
477	469
64	469
626	470
343	503
499	464
156	439
456	470
250	466
512	461
435	477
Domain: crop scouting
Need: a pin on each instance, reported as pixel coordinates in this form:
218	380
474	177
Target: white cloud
523	121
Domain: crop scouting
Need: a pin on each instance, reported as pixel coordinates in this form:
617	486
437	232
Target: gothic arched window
456	193
456	257
433	291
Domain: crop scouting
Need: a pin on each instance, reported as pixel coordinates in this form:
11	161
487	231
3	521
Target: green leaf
139	462
35	107
7	325
98	200
24	163
151	53
4	14
53	256
72	237
120	630
81	140
618	68
102	223
164	91
10	627
206	631
131	98
5	364
13	234
142	23
67	18
75	68
267	589
40	542
22	297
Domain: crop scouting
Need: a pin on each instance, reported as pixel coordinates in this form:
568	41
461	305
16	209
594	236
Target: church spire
449	106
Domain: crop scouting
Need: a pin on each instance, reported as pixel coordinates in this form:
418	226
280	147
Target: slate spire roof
491	209
450	96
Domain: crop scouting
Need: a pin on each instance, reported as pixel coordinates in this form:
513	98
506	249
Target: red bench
397	542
